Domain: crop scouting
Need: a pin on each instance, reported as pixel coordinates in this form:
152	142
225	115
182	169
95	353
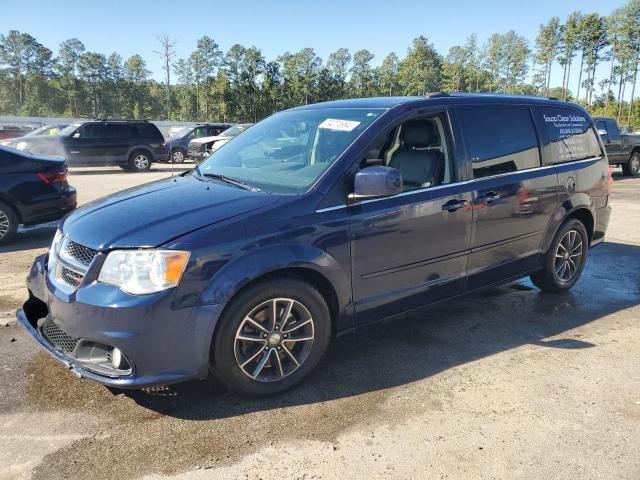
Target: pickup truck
622	149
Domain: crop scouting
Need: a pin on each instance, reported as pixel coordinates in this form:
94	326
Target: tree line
241	85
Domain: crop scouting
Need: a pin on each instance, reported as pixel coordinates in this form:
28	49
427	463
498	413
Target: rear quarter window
571	135
148	130
499	139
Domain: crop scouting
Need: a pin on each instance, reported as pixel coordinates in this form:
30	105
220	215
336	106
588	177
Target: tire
140	161
8	224
178	156
569	248
632	167
269	363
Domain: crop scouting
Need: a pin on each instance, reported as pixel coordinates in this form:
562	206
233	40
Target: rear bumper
163	345
48	208
602	217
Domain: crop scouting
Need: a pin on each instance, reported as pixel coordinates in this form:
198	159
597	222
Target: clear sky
129	27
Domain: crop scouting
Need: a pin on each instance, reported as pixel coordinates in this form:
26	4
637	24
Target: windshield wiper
231	181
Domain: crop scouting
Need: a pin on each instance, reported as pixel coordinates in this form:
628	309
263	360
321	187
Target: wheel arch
12	205
303	262
576	207
137	148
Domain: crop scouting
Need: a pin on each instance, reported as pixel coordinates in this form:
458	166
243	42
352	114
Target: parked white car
200	148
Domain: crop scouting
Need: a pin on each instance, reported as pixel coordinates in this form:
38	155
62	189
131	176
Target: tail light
162	145
53	177
610	175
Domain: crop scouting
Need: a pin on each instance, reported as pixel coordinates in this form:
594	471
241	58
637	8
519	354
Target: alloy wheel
569	256
634	164
141	161
177	156
274	339
4	224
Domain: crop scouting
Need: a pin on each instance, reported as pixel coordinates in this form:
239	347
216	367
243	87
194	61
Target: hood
153	214
210	139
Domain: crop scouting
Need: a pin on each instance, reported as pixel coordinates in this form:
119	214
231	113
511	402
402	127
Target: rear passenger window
118	131
570	134
148	130
499	140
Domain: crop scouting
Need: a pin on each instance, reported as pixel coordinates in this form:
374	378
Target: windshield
178	132
68	130
39	131
234	131
287	153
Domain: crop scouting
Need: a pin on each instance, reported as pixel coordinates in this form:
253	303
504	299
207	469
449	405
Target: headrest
417	134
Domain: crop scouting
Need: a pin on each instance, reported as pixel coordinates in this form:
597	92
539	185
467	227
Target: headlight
143	271
22	146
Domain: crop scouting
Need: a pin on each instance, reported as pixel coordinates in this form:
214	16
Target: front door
87	145
411	249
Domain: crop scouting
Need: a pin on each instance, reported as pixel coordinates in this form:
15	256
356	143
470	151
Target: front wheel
565	259
139	161
271	337
632	167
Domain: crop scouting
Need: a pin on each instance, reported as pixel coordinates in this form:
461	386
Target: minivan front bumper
163	345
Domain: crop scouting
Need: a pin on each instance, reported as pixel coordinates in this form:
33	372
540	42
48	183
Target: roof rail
436	94
120	120
553	98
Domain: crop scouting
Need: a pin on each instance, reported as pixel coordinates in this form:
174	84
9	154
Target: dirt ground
510	383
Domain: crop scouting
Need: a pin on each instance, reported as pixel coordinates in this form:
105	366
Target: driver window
418	149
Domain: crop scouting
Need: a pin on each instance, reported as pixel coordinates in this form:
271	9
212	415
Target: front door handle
453	205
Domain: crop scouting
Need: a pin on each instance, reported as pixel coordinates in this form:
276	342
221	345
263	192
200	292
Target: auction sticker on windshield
339	125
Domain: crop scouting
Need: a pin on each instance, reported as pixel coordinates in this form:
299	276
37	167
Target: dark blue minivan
315	221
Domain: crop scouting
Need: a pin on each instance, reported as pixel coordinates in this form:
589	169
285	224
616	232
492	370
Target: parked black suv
130	144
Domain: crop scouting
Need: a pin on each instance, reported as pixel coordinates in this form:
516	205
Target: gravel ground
509	383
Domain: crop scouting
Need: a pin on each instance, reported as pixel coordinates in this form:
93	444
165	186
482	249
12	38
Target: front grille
70	277
72	263
82	254
195	147
57	337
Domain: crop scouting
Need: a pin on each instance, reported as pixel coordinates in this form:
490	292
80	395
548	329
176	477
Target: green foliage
241	85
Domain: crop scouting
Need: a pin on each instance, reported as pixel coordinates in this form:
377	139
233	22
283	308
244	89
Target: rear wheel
632	167
271	337
565	259
140	161
8	223
178	156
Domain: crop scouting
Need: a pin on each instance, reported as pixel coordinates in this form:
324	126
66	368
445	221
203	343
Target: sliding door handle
453	205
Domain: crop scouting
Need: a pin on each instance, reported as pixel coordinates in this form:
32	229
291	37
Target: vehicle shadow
40	238
387	355
618	176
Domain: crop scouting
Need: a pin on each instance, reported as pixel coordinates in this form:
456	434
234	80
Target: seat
419	166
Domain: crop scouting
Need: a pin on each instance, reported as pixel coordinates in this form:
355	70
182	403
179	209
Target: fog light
116	358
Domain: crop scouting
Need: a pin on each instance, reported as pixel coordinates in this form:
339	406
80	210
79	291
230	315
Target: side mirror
376	181
602	132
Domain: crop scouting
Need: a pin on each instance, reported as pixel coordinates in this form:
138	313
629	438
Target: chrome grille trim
70	264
